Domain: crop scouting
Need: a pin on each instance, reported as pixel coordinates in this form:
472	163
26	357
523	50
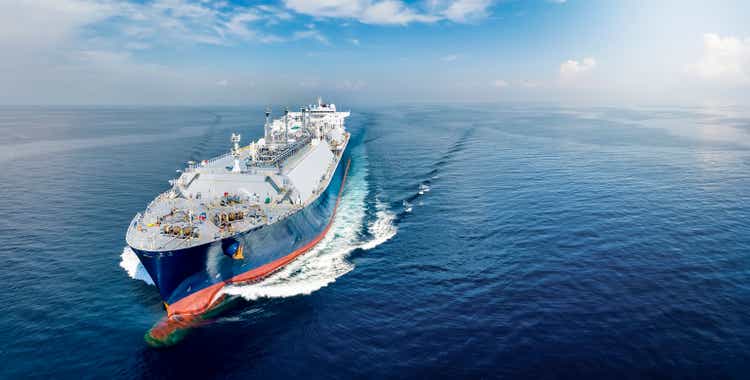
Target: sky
199	52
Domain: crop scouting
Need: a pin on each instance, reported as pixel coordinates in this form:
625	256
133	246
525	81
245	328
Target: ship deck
214	200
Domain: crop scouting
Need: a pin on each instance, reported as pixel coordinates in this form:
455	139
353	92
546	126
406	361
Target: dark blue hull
180	273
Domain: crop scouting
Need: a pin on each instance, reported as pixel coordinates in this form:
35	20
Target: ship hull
189	279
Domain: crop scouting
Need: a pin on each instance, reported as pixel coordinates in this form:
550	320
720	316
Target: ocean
473	241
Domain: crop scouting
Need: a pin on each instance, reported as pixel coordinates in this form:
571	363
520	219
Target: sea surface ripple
488	241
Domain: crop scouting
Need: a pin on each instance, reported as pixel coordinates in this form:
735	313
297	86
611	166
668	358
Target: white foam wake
382	229
129	261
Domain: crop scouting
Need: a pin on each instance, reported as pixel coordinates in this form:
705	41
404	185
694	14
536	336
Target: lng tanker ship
239	217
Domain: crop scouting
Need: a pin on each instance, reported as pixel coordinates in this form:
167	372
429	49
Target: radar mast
236	152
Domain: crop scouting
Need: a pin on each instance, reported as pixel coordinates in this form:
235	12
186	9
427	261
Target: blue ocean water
486	241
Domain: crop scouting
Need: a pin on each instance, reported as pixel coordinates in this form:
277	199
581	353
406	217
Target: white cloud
238	24
174	21
91	46
222	83
354	41
572	68
41	23
449	58
311	34
134	25
465	10
725	59
392	12
499	83
328	8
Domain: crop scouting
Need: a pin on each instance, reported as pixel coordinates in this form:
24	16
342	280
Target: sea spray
133	267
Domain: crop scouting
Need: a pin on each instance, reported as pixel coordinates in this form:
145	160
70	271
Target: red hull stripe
202	300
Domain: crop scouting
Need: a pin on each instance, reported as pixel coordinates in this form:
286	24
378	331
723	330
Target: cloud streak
724	59
31	24
392	12
467	10
572	68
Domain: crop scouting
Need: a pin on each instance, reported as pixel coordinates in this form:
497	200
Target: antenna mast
286	124
265	127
